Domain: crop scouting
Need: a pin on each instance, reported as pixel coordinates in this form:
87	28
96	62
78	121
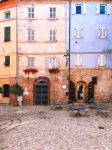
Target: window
30	35
78	9
101	60
7	15
52	62
7	61
31	12
52	35
6	90
52	13
78	60
102	9
102	33
7	33
78	33
30	61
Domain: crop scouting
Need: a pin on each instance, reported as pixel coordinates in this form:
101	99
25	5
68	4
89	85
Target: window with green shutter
6	90
7	60
7	33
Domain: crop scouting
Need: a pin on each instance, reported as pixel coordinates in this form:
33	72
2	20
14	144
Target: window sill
52	41
7	41
52	19
31	19
32	41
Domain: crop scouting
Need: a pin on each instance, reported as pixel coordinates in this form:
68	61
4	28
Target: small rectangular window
101	60
30	35
78	60
52	13
6	90
7	61
54	62
7	32
30	61
78	33
31	12
7	15
102	9
102	33
78	9
52	35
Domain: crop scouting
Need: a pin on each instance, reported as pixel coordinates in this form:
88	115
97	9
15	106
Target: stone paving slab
39	128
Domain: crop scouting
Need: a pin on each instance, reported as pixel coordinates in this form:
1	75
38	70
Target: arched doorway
81	91
90	91
42	89
72	92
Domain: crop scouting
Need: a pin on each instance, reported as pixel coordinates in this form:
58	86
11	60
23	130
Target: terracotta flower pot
13	100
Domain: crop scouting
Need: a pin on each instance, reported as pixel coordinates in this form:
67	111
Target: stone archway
81	91
42	91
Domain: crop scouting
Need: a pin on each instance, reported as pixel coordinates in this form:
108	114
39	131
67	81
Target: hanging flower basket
54	70
30	70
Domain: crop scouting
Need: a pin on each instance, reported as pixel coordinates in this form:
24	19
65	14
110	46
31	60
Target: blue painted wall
90	46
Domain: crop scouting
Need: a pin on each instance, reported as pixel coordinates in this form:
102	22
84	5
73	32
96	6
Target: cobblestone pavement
40	128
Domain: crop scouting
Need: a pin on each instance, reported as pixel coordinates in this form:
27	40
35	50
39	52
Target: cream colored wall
8	48
41	47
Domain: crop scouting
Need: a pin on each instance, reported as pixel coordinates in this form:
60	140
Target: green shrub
16	89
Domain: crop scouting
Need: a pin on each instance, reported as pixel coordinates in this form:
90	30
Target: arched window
6	90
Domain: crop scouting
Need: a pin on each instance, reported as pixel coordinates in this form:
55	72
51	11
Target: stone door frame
42	78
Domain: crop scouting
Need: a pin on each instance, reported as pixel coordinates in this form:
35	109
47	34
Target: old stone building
38	36
41	51
91	50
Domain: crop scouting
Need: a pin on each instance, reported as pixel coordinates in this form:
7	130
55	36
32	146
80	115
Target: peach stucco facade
7	48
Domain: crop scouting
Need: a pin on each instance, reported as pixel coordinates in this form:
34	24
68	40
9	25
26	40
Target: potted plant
30	70
1	92
16	93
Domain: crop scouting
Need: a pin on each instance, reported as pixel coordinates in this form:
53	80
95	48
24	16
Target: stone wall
103	88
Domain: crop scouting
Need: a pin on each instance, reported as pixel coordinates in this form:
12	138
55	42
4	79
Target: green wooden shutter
7	60
7	34
6	90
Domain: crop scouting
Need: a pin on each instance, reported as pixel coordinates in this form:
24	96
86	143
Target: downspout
69	51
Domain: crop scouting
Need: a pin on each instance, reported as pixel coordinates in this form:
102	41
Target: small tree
16	89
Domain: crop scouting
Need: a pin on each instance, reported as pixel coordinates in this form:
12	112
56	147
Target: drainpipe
17	60
69	51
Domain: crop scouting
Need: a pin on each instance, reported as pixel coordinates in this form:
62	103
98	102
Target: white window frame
101	60
6	14
52	62
31	62
31	35
81	8
78	60
105	8
102	33
52	35
31	12
52	12
78	33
